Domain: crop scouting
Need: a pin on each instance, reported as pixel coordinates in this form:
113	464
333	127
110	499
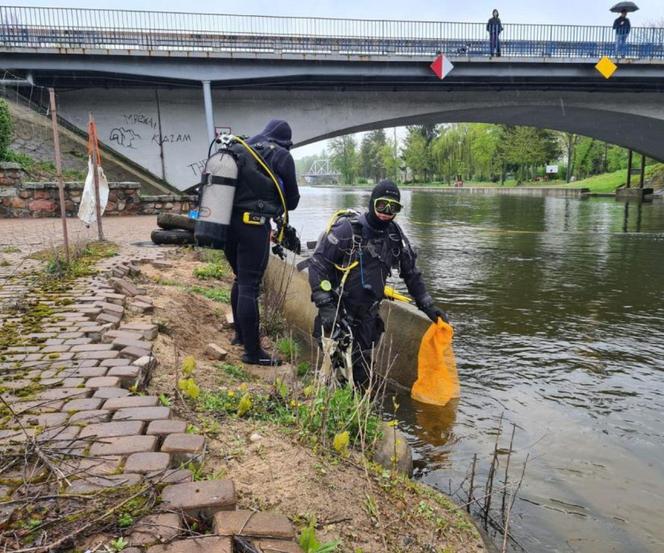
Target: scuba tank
216	197
236	178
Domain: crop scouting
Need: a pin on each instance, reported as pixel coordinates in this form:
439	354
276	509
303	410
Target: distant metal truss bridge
321	171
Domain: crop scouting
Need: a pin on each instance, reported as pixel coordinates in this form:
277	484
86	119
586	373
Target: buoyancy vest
256	191
369	262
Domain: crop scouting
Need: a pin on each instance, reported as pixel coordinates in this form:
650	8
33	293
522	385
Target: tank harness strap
215	179
262	163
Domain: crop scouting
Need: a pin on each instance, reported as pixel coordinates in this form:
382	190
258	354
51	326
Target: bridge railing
27	27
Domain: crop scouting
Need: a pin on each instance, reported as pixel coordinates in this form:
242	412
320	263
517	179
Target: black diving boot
261	358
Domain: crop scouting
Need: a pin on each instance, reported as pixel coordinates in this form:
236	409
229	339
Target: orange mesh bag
437	378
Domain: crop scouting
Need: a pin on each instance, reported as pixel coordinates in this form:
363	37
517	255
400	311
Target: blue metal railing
65	28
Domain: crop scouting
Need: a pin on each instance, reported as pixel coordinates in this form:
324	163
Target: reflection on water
559	319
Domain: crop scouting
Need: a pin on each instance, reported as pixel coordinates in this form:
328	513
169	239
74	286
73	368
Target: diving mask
387	206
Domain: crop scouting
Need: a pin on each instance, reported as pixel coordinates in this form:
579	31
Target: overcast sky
561	12
580	12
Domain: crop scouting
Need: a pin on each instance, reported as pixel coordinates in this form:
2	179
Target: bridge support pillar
209	113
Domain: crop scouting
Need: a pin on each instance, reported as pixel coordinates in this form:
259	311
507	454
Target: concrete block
96	483
65	393
102	382
212	544
251	524
160	528
134	353
144	463
90	417
184	447
165	427
143	414
109	393
201	498
113	430
124	445
148	330
131	401
277	546
87	404
129	375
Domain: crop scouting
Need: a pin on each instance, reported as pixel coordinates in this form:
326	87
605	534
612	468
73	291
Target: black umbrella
624	6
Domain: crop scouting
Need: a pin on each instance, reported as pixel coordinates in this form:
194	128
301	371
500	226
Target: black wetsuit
378	251
248	246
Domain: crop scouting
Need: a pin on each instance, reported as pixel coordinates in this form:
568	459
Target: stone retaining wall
20	199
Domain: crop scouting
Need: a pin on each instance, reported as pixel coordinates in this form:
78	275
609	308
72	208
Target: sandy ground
369	510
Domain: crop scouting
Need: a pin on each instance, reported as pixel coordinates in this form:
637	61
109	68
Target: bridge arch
627	119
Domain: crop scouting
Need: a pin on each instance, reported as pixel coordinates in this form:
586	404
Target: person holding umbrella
622	26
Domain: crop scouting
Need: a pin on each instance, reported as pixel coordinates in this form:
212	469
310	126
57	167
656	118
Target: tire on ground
176	237
170	221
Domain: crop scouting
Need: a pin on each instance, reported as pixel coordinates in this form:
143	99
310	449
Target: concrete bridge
159	83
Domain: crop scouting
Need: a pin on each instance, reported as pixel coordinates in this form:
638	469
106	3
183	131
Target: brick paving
72	378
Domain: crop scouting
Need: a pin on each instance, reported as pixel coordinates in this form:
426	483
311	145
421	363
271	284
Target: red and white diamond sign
442	66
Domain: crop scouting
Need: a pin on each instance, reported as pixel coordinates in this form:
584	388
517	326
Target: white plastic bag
86	211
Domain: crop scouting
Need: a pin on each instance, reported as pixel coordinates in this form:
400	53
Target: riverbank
605	184
275	460
222	425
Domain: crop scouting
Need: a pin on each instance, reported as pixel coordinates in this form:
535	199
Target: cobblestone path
78	434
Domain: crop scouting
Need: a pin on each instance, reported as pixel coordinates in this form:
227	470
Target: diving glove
327	314
433	312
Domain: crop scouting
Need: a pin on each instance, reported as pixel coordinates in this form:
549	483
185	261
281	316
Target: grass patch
602	184
289	348
10	249
234	371
211	271
303	369
220	295
208	255
319	416
43	170
82	259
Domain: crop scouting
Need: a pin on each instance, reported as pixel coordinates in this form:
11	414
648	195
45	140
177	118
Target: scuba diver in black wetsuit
247	245
354	259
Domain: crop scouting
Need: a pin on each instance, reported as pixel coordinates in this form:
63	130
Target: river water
558	308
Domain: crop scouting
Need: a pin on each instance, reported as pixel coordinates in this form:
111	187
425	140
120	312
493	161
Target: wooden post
629	169
643	170
95	176
58	170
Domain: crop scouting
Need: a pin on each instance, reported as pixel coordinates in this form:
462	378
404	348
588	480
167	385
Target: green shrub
6	129
215	294
211	271
289	348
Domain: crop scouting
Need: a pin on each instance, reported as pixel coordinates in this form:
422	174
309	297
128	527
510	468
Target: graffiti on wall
124	137
197	167
172	138
139	119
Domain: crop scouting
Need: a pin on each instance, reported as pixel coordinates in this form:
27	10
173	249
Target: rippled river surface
558	307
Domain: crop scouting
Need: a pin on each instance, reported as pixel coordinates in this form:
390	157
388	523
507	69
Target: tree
6	129
371	159
390	160
343	154
416	154
527	148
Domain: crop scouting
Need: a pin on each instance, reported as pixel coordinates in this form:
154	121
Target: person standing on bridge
248	241
494	27
622	27
353	260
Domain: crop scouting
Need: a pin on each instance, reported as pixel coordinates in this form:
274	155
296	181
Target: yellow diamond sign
606	67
